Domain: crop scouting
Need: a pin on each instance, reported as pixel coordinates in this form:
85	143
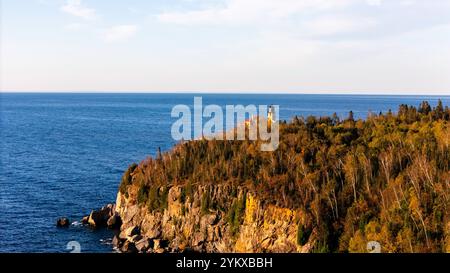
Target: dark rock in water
129	247
99	218
85	220
63	222
114	222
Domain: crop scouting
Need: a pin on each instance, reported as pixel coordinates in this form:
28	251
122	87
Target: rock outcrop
104	217
186	224
99	218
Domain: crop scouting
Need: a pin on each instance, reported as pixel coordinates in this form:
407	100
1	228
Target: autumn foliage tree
385	178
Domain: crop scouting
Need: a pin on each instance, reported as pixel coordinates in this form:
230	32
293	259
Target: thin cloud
74	26
374	2
120	33
76	8
238	12
303	18
331	25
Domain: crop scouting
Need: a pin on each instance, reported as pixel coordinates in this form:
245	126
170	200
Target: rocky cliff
232	221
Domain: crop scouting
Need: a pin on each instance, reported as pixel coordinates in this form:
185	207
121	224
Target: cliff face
232	222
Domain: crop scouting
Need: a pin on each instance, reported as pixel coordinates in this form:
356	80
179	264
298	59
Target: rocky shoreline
128	240
186	226
213	218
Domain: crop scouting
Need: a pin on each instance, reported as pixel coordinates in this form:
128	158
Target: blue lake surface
64	154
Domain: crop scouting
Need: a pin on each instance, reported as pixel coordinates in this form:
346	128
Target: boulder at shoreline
63	222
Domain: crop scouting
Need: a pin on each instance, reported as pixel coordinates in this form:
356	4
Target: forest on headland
385	178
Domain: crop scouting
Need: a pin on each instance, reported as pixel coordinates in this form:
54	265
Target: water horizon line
133	92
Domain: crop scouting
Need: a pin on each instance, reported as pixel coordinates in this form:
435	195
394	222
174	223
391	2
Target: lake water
64	154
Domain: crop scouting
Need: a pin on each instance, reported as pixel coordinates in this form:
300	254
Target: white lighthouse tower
271	115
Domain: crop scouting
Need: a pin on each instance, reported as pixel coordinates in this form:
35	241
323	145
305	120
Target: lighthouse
271	115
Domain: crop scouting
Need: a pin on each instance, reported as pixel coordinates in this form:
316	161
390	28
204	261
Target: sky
285	46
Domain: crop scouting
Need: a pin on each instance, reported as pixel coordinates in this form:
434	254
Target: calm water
64	154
